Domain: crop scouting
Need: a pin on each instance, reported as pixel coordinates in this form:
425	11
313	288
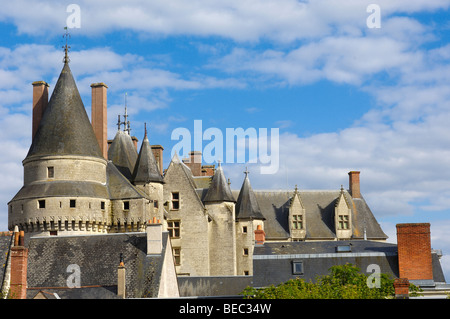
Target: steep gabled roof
123	154
247	206
219	190
146	170
65	128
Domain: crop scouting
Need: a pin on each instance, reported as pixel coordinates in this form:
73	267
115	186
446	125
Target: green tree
343	282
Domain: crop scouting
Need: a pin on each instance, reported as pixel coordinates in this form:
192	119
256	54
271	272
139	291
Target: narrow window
155	204
245	251
72	203
244	229
175	200
246	272
50	172
177	255
41	203
102	205
126	205
173	227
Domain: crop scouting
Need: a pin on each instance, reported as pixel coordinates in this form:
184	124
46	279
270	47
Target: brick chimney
194	162
99	116
260	235
121	280
158	153
414	251
154	236
401	288
19	261
354	184
40	101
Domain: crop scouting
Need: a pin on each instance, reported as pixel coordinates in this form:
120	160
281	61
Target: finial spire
246	172
66	47
126	123
145	128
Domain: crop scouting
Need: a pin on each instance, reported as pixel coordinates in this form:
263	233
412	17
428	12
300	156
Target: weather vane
66	47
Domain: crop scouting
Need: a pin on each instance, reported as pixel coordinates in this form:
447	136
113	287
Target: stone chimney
194	162
121	281
158	153
99	116
354	184
260	235
154	237
19	262
40	101
414	251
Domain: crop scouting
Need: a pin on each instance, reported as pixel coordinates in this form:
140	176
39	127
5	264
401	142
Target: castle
77	183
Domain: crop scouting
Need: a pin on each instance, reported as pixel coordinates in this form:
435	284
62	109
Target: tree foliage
343	282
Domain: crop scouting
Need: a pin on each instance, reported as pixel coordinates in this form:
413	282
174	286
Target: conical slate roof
123	154
65	128
219	190
247	206
146	170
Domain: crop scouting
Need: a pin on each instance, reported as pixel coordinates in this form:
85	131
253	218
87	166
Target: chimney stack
40	101
260	235
354	184
158	153
121	281
19	262
154	237
99	116
194	162
414	251
401	288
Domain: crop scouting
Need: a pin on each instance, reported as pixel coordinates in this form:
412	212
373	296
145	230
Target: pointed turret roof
247	206
219	190
123	154
146	170
65	128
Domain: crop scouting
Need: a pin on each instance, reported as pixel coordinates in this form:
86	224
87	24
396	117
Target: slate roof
6	240
65	128
119	187
247	206
146	170
319	209
272	262
123	153
98	258
219	190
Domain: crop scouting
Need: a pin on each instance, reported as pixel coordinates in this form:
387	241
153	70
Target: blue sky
343	96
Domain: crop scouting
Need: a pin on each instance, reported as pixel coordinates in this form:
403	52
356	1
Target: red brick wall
19	261
40	101
414	251
354	184
99	115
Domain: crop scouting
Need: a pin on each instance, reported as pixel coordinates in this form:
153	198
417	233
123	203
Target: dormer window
297	222
343	222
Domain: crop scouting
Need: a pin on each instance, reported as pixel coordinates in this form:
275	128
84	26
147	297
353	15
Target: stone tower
64	171
248	218
147	177
220	204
